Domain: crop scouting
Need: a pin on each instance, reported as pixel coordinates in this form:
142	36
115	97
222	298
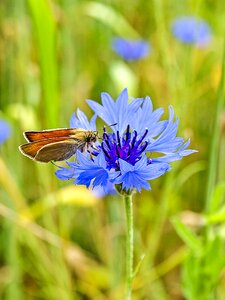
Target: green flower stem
129	244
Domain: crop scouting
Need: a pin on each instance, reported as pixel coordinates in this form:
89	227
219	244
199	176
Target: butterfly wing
58	151
51	149
31	149
34	136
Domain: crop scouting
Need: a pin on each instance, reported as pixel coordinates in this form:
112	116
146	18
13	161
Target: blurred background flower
131	49
5	131
191	30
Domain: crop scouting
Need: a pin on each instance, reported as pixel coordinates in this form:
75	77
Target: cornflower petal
65	173
167	141
109	108
177	155
136	176
107	112
119	112
122	110
101	191
80	120
90	172
147	118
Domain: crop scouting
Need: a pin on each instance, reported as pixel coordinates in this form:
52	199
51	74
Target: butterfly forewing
32	136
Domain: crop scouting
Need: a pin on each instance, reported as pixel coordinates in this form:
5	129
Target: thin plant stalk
214	151
129	244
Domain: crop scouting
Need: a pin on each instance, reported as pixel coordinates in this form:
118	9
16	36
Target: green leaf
217	197
44	28
190	239
110	17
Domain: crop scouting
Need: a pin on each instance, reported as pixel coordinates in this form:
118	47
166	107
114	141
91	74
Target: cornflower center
127	146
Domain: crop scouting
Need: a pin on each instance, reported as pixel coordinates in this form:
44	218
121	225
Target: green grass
57	241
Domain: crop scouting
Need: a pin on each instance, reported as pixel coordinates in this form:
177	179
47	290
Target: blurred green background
57	240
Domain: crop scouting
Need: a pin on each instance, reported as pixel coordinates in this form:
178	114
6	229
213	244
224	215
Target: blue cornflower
190	30
5	131
139	148
130	49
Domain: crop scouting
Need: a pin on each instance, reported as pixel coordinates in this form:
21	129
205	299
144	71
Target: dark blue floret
128	147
